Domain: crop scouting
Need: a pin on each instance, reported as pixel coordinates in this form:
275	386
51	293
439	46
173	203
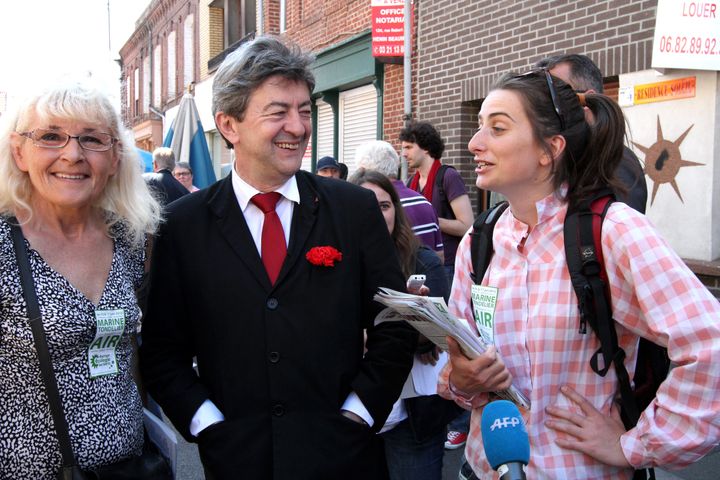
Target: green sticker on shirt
484	299
102	358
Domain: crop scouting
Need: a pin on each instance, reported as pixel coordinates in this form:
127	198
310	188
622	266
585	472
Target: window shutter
358	122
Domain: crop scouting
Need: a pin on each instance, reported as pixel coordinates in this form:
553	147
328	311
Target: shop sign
661	91
687	35
388	28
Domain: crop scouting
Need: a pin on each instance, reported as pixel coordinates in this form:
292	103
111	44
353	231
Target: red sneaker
455	440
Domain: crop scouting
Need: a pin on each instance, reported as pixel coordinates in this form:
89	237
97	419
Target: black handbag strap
35	320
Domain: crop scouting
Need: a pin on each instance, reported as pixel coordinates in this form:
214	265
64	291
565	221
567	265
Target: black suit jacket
631	174
278	361
165	187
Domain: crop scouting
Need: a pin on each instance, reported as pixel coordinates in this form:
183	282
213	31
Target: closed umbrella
186	138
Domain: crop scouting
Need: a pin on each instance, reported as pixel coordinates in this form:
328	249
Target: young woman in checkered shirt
535	146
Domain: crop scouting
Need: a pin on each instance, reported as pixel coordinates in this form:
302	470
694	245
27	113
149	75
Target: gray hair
245	69
164	158
379	156
125	199
584	74
184	165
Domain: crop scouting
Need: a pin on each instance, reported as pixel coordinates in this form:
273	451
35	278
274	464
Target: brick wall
393	104
318	24
211	38
464	45
271	21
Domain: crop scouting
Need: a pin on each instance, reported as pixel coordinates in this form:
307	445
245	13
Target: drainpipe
152	69
407	85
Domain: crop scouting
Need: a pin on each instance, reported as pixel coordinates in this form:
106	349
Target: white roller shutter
325	140
358	122
324	132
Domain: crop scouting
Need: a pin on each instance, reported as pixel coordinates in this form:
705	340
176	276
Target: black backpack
583	252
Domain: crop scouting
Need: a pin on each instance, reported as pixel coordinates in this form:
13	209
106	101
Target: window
358	121
136	97
325	124
157	76
238	18
128	94
238	23
171	66
324	133
283	16
146	84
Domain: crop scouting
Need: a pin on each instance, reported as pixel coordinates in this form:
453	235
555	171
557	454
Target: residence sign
388	28
687	35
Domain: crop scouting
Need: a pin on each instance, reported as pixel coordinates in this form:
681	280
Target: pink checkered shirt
536	331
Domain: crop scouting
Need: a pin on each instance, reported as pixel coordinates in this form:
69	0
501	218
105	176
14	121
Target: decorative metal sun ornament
663	160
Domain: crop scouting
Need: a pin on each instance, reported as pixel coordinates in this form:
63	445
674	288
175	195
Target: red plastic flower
323	256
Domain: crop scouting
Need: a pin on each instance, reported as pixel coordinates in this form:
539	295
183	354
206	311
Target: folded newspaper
431	317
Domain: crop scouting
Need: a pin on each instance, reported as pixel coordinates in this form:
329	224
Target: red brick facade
318	24
159	19
464	45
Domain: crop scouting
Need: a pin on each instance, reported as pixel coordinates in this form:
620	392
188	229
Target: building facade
178	45
158	64
464	45
459	48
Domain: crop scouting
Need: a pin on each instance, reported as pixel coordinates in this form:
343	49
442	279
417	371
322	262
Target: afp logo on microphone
507	422
505	439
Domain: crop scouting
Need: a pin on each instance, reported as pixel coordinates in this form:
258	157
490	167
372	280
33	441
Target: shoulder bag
149	465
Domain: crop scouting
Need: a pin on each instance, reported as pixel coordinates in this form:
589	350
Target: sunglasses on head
553	93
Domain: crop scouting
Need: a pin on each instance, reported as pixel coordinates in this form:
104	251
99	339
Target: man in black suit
164	185
283	388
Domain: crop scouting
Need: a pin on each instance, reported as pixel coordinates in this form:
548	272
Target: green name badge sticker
102	358
484	299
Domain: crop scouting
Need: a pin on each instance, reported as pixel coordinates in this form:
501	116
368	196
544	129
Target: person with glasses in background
184	174
70	178
534	146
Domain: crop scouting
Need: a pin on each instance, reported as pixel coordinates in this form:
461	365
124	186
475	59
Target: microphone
505	439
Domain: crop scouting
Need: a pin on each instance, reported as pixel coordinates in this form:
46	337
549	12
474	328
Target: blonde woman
70	177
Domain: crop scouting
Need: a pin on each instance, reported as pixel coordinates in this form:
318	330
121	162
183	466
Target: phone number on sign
692	45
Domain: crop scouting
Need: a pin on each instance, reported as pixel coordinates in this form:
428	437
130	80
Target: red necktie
273	246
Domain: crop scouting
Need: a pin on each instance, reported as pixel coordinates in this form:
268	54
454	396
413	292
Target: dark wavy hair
592	152
425	136
406	243
246	69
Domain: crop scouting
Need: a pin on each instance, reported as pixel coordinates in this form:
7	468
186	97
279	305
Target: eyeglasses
553	94
182	174
94	142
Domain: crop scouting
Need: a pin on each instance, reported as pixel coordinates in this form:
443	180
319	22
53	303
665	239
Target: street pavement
708	468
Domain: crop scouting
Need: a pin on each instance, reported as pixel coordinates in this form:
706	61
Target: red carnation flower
323	256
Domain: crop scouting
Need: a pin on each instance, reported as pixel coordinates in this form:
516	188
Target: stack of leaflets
431	317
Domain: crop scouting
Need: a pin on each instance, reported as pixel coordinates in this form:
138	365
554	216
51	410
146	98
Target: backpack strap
583	251
445	210
481	245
